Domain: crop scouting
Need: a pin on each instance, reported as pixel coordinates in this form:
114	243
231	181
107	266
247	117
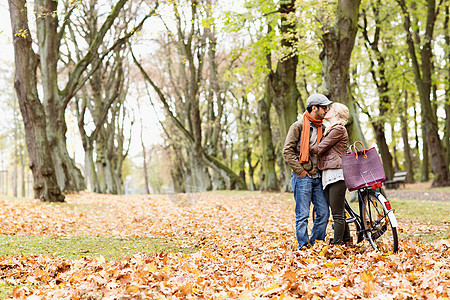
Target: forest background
223	82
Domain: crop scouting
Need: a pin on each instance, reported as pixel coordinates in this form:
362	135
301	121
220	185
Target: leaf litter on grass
246	245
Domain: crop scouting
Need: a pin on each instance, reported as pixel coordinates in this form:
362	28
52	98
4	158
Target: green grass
424	211
434	213
111	248
7	289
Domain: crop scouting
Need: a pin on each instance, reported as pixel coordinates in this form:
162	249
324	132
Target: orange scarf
304	143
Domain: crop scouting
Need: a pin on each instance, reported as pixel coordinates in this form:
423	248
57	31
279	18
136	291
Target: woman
330	151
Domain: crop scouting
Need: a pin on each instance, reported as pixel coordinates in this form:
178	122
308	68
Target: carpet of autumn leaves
245	250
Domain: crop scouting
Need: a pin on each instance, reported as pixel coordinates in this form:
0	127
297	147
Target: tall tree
45	185
144	148
282	84
68	175
447	80
105	92
114	148
269	180
55	100
187	48
241	87
406	148
105	88
377	69
422	66
338	41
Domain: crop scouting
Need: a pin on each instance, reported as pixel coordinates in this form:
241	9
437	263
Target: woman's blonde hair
342	111
343	115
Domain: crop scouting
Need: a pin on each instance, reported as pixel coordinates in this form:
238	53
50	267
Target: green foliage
314	18
257	21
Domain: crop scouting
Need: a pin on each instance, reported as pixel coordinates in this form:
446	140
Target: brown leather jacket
331	148
291	150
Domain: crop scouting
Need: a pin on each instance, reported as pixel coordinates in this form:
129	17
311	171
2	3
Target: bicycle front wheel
381	222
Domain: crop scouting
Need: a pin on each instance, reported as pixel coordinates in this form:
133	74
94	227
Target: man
306	179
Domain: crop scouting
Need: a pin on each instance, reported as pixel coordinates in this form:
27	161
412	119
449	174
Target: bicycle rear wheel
381	222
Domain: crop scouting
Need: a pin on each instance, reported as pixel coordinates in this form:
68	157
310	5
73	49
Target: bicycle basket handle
356	149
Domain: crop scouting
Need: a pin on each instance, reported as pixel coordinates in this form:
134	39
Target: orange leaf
132	289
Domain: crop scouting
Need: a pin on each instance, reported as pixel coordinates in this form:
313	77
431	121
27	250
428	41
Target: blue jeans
307	190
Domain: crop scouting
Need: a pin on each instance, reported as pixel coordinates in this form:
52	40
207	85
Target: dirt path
419	191
416	195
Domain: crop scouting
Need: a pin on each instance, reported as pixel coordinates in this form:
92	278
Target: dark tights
335	193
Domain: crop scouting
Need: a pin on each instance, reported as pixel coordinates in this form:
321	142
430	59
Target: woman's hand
304	173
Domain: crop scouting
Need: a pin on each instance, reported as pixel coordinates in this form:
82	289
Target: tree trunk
423	79
68	175
283	87
112	186
91	173
22	160
378	72
424	167
243	138
447	90
251	170
416	148
144	156
199	179
104	94
22	170
122	148
269	180
407	149
338	43
383	148
88	145
45	184
105	170
100	162
179	171
245	152
15	179
216	93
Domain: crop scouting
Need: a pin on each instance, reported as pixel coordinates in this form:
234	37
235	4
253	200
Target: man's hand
304	173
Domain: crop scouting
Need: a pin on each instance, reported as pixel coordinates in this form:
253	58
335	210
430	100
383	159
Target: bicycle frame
354	217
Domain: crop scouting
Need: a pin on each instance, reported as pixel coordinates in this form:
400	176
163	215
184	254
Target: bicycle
376	221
